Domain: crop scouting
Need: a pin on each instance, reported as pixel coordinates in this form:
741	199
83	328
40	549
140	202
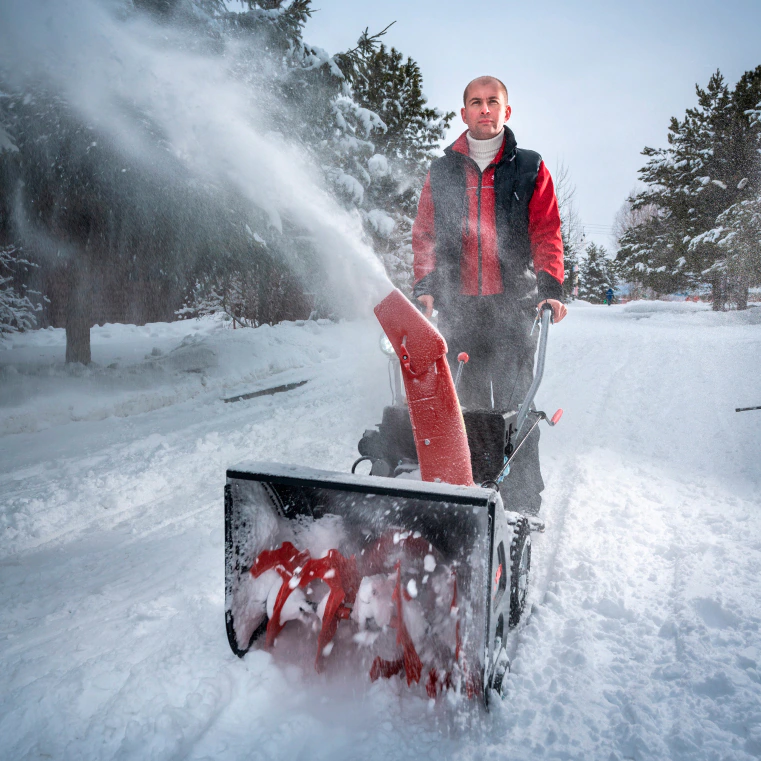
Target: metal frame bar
546	317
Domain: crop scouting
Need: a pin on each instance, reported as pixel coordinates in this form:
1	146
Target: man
488	253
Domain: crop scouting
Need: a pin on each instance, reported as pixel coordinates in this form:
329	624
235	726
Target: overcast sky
591	83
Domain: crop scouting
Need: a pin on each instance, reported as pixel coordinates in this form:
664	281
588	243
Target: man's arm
424	248
546	243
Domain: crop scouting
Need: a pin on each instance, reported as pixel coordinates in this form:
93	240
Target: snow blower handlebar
545	318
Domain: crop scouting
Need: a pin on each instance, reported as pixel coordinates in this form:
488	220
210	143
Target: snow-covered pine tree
627	218
596	274
114	242
736	230
314	103
18	305
118	241
738	233
680	189
309	104
389	85
572	265
690	184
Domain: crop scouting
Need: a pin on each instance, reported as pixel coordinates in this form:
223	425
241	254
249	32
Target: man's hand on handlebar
427	303
558	308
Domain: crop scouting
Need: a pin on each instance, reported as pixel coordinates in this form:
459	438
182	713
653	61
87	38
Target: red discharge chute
437	423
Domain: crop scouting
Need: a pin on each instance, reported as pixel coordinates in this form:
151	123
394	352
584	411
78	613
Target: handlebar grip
545	308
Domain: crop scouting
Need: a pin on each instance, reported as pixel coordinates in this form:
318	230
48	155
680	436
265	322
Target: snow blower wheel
520	569
500	668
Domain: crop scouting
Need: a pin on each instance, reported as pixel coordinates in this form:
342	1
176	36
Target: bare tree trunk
719	293
740	292
78	315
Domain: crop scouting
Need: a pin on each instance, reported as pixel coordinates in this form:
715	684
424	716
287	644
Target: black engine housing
391	445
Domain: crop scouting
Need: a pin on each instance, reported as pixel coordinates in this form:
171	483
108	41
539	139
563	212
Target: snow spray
111	69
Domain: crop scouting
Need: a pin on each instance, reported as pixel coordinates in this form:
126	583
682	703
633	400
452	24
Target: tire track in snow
545	551
565	469
640	702
70	496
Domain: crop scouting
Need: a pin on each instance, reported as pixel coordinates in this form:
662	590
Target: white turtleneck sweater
484	151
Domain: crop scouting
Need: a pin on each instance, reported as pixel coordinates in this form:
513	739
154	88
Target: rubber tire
520	566
498	680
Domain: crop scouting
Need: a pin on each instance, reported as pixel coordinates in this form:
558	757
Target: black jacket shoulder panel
526	170
528	161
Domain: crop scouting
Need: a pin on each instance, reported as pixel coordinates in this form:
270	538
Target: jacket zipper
478	228
478	231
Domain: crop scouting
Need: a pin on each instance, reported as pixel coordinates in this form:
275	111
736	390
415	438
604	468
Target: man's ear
462	114
508	112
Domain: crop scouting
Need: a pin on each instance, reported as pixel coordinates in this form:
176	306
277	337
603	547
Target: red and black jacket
488	233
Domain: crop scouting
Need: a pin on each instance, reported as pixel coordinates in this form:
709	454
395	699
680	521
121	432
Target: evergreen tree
114	238
572	265
680	189
596	274
736	228
18	304
691	183
625	220
111	230
389	85
105	228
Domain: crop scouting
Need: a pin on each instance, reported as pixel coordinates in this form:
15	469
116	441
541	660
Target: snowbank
140	369
650	307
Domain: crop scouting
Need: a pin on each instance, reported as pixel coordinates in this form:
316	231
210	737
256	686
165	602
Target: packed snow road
642	637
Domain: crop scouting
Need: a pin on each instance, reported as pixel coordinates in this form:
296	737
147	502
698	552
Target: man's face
486	110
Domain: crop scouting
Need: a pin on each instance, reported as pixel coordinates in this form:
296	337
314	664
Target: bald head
486	109
486	80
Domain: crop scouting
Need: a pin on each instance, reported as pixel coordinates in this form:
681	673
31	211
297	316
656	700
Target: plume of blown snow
113	68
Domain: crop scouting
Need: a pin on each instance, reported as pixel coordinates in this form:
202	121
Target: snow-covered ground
643	634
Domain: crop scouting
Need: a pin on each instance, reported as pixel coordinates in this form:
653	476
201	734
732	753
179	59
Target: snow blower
416	578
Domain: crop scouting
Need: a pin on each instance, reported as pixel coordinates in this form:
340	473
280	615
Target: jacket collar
507	151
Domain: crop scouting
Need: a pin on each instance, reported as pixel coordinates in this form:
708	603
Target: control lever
462	359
